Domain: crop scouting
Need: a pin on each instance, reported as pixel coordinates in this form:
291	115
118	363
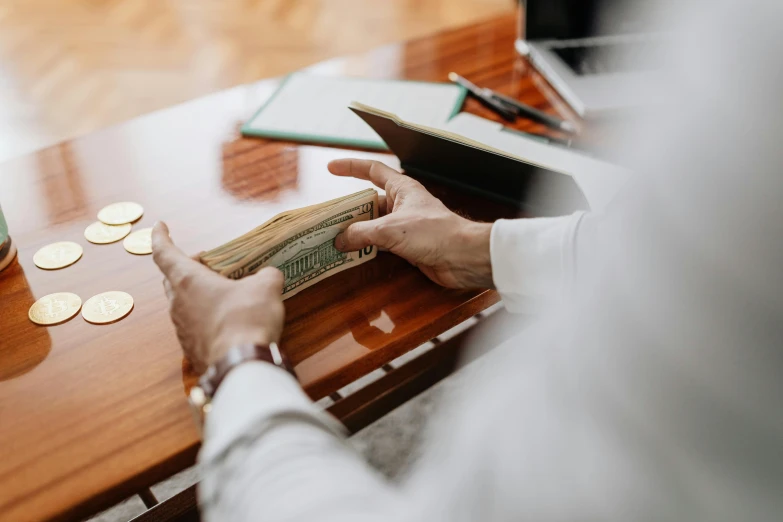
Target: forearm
267	447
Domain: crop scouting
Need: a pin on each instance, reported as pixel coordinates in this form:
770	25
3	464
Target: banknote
300	243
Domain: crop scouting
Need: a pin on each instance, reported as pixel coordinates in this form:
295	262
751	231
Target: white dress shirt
653	392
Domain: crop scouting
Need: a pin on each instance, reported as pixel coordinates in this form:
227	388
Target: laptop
595	53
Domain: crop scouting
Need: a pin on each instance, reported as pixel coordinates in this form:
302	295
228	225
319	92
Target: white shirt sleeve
533	260
270	454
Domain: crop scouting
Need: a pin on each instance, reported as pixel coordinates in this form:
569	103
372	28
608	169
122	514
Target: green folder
313	108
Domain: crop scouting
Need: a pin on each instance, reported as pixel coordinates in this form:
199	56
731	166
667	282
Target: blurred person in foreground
649	389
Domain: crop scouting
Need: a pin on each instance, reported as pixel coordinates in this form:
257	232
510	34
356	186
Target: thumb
164	252
360	235
270	278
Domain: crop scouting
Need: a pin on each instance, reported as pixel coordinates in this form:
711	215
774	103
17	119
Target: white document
598	180
314	108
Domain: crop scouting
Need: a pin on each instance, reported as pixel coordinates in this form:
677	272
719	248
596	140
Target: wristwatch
201	395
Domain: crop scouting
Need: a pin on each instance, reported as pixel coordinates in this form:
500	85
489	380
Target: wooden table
91	414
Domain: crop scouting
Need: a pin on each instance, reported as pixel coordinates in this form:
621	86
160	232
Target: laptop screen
571	19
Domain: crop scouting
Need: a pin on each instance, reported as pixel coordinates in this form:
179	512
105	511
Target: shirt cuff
251	395
533	260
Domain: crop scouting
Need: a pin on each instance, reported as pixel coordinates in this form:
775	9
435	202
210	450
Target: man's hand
449	249
212	313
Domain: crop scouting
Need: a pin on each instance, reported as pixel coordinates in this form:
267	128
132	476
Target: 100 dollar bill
306	254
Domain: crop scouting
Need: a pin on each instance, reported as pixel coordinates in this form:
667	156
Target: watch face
199	405
197	397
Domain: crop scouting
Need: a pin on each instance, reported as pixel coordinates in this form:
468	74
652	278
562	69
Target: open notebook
477	155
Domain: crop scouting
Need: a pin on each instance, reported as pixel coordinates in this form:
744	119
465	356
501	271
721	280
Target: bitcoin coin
58	255
101	233
54	308
107	307
120	213
139	242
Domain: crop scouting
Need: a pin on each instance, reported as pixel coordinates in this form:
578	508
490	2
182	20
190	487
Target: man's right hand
447	248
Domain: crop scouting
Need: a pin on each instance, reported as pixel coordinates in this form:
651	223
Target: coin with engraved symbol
101	233
54	308
58	255
120	213
107	307
139	242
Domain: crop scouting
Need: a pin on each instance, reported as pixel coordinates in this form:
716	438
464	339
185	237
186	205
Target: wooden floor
68	67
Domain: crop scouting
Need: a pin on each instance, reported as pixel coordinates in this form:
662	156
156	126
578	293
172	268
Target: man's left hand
212	313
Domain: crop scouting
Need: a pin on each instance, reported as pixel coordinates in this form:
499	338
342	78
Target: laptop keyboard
610	57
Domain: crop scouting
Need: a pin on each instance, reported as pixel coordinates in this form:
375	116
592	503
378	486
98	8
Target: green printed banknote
300	243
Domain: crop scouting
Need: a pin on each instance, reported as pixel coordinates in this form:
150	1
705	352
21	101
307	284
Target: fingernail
339	242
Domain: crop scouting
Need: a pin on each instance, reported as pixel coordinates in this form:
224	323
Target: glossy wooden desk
90	414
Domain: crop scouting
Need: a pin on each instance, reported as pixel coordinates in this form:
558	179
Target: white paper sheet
598	180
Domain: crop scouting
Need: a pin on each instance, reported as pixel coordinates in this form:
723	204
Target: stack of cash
300	243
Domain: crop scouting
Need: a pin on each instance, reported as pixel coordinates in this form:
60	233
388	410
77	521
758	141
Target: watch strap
237	355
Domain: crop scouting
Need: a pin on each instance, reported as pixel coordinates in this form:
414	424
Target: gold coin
58	255
54	308
107	307
120	213
139	242
101	233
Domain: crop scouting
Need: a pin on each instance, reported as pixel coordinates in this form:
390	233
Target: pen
568	143
549	140
485	97
491	98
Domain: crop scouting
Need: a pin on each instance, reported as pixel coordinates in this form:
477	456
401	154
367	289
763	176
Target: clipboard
312	108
